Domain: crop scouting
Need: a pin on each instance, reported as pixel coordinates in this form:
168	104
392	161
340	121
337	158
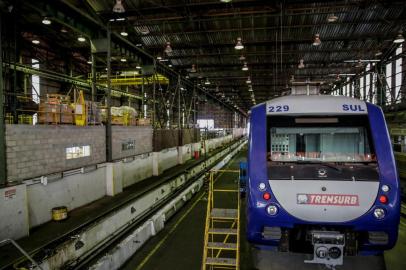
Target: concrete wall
13	212
39	150
81	186
136	170
164	160
141	135
72	191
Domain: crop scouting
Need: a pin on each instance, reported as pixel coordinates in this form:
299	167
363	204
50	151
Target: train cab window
332	144
298	147
342	140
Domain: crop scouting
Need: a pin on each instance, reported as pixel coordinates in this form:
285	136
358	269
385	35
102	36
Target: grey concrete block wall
34	151
141	135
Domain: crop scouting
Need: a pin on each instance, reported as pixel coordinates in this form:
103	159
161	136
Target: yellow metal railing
221	242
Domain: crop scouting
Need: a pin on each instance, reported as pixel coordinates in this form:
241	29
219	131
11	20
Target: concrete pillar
155	163
114	178
184	153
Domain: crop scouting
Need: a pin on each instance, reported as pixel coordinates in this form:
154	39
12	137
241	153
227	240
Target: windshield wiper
320	163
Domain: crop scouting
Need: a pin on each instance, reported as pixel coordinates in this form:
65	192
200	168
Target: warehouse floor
180	245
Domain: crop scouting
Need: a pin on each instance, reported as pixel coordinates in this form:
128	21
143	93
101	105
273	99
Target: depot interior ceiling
281	40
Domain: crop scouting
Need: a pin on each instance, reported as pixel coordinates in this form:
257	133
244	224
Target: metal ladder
221	237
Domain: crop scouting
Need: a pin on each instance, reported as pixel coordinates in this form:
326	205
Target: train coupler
328	248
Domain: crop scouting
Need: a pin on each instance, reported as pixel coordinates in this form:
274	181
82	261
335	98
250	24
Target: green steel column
381	85
3	160
109	155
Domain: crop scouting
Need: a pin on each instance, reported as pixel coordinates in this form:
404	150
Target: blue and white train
322	178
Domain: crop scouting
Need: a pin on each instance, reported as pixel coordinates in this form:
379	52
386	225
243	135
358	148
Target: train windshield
343	140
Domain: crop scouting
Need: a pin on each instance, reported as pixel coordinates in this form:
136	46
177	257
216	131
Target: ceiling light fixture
124	33
170	65
35	41
207	82
123	59
399	38
226	1
89	61
378	53
64	30
118	7
81	39
301	64
316	41
242	57
159	57
143	29
248	81
46	21
168	48
238	45
245	67
332	18
193	69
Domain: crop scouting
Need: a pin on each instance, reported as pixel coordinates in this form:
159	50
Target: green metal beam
3	159
66	78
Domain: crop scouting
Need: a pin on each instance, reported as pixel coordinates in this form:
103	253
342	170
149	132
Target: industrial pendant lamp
238	45
124	33
118	7
248	80
301	64
193	69
316	41
332	18
81	39
245	67
207	82
242	57
46	21
168	48
399	38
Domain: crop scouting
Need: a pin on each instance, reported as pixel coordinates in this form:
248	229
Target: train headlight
262	186
379	213
385	188
272	210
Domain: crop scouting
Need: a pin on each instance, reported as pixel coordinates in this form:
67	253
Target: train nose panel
325	201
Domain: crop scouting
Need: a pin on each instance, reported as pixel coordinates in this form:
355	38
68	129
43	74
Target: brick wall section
140	134
33	151
165	138
191	135
223	118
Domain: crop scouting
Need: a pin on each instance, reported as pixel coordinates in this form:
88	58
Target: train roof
316	105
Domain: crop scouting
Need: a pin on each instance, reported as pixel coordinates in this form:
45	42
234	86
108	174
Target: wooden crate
117	120
66	114
143	122
49	113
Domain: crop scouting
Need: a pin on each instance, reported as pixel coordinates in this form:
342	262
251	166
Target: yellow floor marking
152	252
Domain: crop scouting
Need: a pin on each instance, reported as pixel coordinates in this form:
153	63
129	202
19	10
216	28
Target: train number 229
283	108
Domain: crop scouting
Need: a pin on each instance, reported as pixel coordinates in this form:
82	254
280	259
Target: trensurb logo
328	199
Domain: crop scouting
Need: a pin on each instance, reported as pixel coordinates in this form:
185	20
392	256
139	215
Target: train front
322	178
